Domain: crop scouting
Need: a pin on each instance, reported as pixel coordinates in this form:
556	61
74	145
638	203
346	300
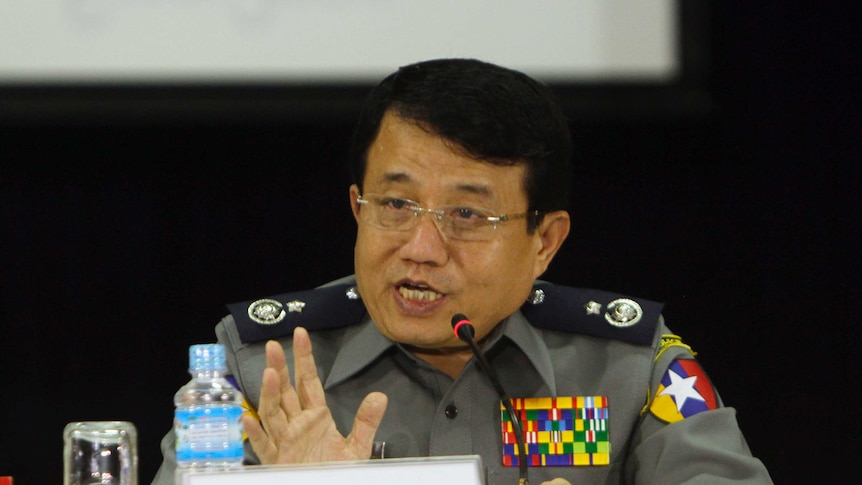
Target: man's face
412	282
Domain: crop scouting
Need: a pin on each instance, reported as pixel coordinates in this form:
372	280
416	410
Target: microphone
464	331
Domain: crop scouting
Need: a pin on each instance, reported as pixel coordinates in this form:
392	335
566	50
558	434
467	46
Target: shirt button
451	411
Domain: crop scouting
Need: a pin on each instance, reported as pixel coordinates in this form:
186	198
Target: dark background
122	239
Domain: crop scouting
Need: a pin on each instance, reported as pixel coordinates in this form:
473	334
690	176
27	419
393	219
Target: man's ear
354	206
551	233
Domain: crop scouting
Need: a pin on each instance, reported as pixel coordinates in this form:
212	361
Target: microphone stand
465	332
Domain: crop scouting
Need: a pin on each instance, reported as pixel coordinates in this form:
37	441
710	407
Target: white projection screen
308	55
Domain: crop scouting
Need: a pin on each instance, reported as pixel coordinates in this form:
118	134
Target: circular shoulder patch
266	311
623	312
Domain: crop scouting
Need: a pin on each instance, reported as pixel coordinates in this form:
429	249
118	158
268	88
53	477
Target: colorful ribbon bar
562	431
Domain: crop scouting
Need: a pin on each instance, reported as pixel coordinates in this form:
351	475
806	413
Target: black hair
494	114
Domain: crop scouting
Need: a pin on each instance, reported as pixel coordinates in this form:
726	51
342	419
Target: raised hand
296	425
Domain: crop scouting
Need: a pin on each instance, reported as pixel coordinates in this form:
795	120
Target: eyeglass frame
439	214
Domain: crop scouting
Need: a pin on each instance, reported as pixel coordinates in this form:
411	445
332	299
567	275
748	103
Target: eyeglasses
455	221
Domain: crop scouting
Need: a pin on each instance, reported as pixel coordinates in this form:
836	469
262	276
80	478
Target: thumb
368	418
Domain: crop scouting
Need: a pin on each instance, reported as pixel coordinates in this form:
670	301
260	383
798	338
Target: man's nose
426	243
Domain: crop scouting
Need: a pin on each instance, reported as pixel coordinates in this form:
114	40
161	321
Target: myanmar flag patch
684	391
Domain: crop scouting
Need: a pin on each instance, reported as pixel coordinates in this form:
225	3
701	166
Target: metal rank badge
623	312
561	431
266	311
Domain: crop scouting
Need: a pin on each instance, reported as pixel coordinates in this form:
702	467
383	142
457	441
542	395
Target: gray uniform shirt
430	414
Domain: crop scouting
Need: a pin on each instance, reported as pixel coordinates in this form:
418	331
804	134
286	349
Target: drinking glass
100	453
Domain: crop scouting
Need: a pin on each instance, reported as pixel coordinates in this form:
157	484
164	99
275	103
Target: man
461	172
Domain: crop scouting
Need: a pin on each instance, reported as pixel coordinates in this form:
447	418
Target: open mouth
418	292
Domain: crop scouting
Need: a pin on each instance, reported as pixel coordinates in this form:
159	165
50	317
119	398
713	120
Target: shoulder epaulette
277	316
592	312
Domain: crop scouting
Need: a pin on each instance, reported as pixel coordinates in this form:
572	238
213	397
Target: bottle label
209	433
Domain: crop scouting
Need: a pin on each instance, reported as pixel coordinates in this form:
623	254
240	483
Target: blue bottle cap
206	357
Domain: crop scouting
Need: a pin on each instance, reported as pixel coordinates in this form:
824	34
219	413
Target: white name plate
451	470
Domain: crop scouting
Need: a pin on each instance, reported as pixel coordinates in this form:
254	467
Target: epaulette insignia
592	312
277	316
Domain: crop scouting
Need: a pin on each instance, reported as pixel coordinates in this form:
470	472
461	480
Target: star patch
295	306
593	308
684	391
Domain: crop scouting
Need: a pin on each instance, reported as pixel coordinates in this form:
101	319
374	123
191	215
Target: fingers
368	418
260	443
275	360
280	401
273	416
282	390
308	384
295	423
278	404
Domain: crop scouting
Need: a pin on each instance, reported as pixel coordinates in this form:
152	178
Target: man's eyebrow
475	189
395	178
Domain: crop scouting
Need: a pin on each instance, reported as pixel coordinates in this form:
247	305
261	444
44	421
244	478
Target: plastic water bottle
208	416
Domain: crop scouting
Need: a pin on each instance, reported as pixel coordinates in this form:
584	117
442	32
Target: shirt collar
361	347
365	344
519	331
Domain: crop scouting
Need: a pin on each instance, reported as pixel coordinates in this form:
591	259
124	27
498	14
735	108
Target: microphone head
463	327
